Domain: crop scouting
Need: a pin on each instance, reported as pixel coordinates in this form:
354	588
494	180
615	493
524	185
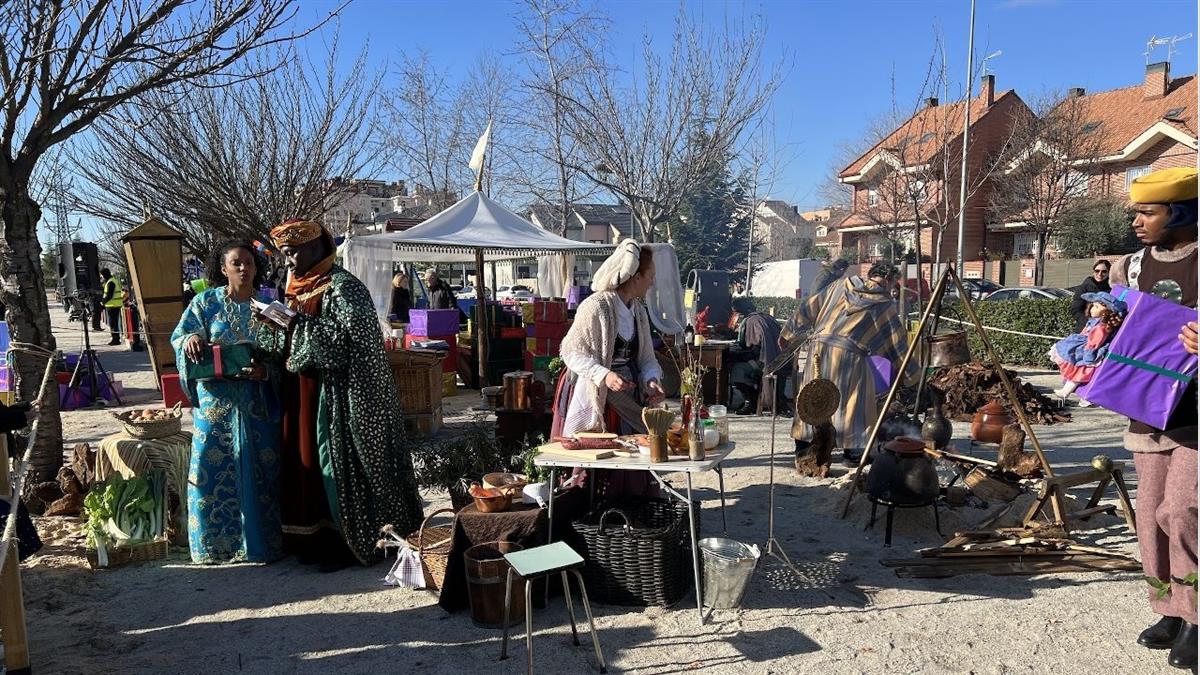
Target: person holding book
233	478
346	469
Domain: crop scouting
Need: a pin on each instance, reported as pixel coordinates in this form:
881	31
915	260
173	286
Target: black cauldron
902	474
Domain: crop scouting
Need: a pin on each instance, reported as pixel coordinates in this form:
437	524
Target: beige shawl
594	332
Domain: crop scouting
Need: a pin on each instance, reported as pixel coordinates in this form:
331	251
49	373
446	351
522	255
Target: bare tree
231	162
1051	157
552	32
650	139
62	67
428	129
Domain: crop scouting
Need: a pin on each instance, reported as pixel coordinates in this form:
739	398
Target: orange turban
296	232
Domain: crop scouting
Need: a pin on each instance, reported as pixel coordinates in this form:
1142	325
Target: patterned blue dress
233	481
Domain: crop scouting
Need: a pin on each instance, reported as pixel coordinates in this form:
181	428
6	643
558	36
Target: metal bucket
728	566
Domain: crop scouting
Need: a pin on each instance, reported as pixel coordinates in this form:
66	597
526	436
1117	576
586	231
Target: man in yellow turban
1164	206
345	469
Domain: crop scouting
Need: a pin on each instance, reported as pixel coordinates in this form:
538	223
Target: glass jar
720	415
712	437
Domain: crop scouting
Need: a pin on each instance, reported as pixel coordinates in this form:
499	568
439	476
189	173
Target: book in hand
275	312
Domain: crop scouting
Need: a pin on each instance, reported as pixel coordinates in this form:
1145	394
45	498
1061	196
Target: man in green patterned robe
346	470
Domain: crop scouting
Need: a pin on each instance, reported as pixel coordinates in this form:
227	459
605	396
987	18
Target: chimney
987	89
1158	75
931	102
1075	92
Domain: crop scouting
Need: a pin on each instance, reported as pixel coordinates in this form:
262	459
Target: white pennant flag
476	162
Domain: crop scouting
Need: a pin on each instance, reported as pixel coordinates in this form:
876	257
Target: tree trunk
920	267
1039	260
29	319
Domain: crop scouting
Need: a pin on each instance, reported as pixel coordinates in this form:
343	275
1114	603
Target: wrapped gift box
1147	369
544	311
542	346
576	295
432	322
554	331
220	362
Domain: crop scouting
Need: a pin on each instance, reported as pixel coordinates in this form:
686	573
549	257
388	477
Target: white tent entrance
474	230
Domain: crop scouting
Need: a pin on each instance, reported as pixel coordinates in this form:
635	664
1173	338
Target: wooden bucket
487	573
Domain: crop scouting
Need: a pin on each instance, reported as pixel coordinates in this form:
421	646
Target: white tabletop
674	464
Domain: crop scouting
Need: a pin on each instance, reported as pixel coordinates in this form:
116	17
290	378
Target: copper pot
989	422
948	349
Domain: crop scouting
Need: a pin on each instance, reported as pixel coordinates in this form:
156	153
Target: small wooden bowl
493	504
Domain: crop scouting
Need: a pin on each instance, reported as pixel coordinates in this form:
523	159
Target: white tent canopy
476	224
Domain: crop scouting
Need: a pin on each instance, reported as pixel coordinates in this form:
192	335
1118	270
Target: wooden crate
426	424
418	378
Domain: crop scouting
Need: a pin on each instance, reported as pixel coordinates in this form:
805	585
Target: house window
1075	183
919	190
1134	172
822	231
872	197
523	272
1025	244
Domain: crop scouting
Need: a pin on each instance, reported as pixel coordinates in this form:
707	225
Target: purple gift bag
1147	369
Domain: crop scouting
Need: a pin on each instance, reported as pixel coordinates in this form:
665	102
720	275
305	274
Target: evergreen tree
712	229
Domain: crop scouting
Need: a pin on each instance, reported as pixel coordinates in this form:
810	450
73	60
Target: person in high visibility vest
113	300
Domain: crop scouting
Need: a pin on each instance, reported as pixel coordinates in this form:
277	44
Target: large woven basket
637	552
433	545
151	429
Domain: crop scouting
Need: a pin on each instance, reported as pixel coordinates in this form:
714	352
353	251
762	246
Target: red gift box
173	393
549	311
542	346
554	331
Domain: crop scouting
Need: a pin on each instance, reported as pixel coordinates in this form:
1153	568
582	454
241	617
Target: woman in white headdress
611	369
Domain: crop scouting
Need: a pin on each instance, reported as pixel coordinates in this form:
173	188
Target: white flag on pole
476	162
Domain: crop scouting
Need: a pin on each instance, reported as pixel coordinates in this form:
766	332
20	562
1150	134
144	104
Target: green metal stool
539	562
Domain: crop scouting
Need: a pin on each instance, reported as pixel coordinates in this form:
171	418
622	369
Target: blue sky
841	54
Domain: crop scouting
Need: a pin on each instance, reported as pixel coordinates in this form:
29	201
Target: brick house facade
1144	128
912	161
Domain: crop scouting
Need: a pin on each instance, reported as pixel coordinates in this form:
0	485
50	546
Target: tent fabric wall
665	299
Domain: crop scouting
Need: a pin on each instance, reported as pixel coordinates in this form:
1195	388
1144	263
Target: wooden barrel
487	573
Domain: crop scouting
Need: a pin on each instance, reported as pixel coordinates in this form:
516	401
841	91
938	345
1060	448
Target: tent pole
480	317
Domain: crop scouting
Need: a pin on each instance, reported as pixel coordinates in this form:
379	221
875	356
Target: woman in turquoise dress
233	480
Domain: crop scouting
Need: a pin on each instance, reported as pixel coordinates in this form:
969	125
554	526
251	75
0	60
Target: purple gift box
530	330
432	322
1147	369
576	295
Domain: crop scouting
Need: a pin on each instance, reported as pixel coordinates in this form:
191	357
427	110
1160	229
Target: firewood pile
1035	549
970	386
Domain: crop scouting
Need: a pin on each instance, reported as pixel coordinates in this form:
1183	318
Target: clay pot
903	474
937	428
989	422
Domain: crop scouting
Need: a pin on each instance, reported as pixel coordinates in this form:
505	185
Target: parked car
978	288
515	292
468	293
1027	293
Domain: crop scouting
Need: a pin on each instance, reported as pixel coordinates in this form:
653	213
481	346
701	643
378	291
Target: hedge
1041	317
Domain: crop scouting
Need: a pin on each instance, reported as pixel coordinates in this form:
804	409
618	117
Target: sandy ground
843	613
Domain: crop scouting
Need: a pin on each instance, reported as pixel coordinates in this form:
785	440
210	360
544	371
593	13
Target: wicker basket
418	377
153	428
637	552
433	545
144	551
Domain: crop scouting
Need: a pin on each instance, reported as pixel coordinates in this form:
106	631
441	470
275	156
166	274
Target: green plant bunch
1040	317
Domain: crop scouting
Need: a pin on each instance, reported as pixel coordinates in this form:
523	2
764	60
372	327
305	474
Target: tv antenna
983	63
1168	42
